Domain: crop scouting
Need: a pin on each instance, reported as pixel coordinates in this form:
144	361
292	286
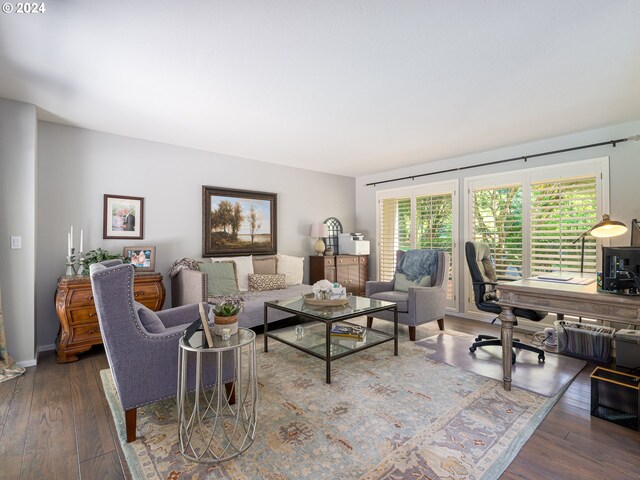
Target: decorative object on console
123	217
319	231
142	258
335	229
605	228
99	255
239	222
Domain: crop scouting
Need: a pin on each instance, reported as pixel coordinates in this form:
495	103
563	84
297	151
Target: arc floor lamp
605	228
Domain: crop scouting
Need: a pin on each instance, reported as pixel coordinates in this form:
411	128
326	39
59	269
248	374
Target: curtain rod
634	138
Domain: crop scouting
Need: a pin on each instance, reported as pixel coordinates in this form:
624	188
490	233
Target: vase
225	322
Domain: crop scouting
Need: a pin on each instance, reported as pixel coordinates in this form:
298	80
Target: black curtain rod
522	157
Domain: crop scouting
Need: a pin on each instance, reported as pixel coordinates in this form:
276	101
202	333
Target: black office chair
484	279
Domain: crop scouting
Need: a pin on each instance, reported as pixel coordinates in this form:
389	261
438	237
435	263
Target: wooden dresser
79	329
350	271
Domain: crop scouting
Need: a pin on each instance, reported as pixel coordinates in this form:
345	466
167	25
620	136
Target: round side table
211	427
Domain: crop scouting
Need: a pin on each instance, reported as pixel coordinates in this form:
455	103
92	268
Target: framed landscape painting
238	222
123	217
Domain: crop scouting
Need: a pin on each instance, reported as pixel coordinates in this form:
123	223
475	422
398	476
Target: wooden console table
350	271
79	329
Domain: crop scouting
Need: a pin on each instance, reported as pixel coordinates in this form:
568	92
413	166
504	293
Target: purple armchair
142	345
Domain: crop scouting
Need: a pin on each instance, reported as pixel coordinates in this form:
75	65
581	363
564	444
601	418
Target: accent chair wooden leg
231	392
412	334
441	323
130	417
369	322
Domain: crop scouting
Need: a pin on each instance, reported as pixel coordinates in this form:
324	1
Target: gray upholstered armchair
142	345
416	304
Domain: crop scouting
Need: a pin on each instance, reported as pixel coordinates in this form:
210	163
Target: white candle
68	244
81	235
71	237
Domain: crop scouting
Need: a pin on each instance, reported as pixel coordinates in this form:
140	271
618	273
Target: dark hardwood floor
55	424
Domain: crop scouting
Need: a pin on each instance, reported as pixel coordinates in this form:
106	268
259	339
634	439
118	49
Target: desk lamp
320	231
605	228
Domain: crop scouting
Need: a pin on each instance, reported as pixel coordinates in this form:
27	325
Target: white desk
578	300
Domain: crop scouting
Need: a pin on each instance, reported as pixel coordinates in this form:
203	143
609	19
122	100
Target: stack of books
354	332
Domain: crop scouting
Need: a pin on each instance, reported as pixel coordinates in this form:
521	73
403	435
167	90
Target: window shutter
560	212
395	233
497	221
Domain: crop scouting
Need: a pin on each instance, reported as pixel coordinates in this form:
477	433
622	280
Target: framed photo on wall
123	217
238	222
142	258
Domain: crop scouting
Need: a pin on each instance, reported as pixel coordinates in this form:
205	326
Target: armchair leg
412	334
231	392
441	323
130	417
369	322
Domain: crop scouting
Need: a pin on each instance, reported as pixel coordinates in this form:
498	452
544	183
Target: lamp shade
320	230
607	228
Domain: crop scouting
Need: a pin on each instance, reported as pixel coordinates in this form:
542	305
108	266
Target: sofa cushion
262	283
221	278
150	321
265	266
244	266
292	267
401	298
402	284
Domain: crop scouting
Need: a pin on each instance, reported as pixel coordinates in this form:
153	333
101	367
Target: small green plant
227	309
98	255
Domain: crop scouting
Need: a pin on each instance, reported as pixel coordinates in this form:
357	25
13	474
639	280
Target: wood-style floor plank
14	433
50	450
6	392
57	407
91	418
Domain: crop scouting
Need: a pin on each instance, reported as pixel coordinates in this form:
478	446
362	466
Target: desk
578	300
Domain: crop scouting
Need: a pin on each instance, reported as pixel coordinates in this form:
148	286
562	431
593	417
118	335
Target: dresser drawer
344	260
85	333
146	293
80	297
329	261
364	260
78	316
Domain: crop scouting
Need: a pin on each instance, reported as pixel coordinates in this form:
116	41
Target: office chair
483	276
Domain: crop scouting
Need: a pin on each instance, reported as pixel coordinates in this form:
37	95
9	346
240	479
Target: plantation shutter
395	233
434	224
560	212
497	221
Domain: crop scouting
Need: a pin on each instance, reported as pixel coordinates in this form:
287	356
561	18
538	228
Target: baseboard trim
27	363
46	348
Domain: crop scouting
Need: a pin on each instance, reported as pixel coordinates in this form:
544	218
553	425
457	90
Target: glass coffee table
313	335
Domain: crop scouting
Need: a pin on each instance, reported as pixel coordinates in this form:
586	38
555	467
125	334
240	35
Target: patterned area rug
383	417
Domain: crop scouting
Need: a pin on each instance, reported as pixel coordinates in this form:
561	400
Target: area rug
383	417
547	378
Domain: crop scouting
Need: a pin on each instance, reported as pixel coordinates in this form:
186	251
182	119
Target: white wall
77	167
624	176
18	131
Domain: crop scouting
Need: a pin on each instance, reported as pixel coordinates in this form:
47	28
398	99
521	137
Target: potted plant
226	316
98	255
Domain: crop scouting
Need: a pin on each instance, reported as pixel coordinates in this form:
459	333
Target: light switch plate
16	243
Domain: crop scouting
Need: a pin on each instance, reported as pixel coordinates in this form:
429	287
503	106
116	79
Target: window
532	218
417	218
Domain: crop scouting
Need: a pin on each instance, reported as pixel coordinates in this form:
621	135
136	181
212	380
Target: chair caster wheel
472	349
541	357
513	359
478	339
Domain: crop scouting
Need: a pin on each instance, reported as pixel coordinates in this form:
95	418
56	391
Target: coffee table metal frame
330	316
210	428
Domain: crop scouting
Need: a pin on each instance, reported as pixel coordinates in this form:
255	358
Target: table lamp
319	231
605	228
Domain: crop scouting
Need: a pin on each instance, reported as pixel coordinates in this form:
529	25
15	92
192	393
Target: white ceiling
349	87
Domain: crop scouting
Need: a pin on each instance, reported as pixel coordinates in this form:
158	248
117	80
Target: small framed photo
123	217
142	258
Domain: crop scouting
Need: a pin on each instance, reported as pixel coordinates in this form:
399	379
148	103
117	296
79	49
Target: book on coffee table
355	332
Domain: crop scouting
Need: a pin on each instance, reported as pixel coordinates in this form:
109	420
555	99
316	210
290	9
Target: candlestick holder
71	263
80	262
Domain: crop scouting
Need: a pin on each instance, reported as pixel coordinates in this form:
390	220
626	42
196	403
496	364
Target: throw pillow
221	278
261	282
150	321
401	283
265	266
244	266
292	267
